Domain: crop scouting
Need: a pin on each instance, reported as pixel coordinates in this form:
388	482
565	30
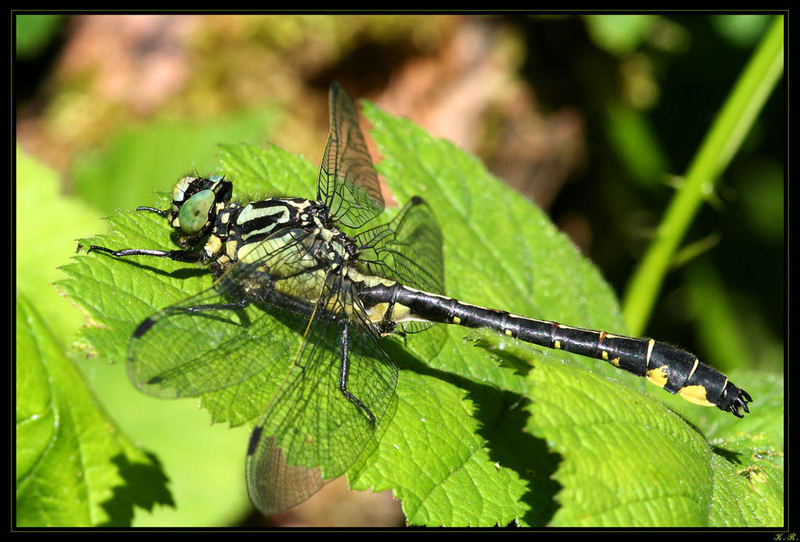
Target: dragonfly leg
219	306
343	370
193	256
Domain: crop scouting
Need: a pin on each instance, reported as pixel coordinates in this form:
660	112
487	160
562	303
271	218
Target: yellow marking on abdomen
376	313
694	368
650	344
369	280
657	376
400	313
695	394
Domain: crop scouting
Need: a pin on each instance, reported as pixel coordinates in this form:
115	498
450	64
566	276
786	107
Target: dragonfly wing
184	352
348	183
408	249
202	344
273	484
310	432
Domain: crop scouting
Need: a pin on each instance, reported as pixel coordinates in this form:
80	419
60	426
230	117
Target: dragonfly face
196	204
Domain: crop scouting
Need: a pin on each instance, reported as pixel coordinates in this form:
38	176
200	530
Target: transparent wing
408	249
186	353
282	353
201	344
310	432
348	183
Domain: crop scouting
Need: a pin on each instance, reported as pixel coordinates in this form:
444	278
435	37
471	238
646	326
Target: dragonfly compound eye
193	215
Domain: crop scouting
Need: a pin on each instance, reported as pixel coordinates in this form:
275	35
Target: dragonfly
328	286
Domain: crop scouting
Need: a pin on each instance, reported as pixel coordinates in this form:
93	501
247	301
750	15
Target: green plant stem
720	144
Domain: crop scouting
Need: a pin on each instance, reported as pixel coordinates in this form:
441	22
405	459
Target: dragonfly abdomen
675	370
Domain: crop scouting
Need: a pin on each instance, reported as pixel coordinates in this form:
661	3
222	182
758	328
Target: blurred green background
594	117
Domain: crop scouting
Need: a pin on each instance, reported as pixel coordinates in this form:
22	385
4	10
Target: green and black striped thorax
202	209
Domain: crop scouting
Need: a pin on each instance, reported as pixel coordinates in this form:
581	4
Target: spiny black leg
219	306
159	212
177	255
343	377
190	256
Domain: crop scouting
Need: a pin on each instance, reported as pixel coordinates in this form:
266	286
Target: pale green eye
194	213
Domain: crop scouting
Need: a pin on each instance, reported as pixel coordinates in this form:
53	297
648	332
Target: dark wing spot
254	438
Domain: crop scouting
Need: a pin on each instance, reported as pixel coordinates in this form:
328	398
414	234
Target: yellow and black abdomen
675	370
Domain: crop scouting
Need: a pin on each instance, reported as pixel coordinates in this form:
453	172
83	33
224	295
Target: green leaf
47	225
114	299
73	468
472	440
628	462
748	478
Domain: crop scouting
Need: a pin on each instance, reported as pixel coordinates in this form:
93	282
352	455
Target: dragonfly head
196	201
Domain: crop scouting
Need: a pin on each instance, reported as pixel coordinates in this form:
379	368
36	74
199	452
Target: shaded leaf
73	467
